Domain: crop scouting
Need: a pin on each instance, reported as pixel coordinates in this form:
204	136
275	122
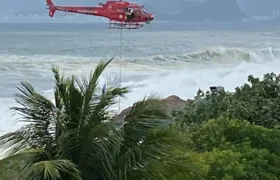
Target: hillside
260	8
213	10
165	9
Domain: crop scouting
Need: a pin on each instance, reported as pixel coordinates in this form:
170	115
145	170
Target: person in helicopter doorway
129	13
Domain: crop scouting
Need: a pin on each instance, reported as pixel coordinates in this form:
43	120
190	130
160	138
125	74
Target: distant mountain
260	7
214	10
168	7
167	10
211	10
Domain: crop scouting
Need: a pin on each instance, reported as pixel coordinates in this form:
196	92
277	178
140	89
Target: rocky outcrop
171	103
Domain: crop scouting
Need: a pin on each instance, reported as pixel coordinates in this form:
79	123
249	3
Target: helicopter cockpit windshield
144	10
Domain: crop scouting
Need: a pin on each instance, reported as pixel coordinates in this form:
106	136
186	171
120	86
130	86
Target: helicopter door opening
129	13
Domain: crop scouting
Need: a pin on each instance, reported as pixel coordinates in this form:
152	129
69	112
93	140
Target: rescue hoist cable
120	65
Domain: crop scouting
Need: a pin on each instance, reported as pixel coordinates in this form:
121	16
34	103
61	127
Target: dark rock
171	103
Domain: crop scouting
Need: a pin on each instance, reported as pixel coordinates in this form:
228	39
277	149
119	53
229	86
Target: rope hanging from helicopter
120	65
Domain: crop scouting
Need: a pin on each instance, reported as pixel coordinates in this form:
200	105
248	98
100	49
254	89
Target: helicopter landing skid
126	25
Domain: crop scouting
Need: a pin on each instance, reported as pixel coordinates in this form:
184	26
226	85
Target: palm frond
99	147
175	165
88	88
94	150
60	87
39	114
68	99
21	156
13	142
88	138
35	108
53	170
99	108
17	162
162	141
150	107
161	155
144	115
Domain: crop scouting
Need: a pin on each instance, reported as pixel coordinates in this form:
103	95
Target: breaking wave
208	56
223	55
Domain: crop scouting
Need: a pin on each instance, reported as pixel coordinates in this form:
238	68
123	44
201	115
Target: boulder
172	103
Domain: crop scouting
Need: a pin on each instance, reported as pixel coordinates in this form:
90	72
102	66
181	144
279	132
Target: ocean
162	58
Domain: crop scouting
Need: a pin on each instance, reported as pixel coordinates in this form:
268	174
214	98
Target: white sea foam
181	75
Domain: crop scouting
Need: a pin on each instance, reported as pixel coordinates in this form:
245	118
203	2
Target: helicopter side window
129	13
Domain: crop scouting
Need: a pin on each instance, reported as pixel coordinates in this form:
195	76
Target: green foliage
220	132
237	133
11	170
246	163
236	149
257	101
74	138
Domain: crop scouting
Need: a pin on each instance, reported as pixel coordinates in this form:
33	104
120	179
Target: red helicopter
122	14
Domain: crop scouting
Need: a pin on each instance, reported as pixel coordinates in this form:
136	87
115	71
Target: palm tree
74	138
